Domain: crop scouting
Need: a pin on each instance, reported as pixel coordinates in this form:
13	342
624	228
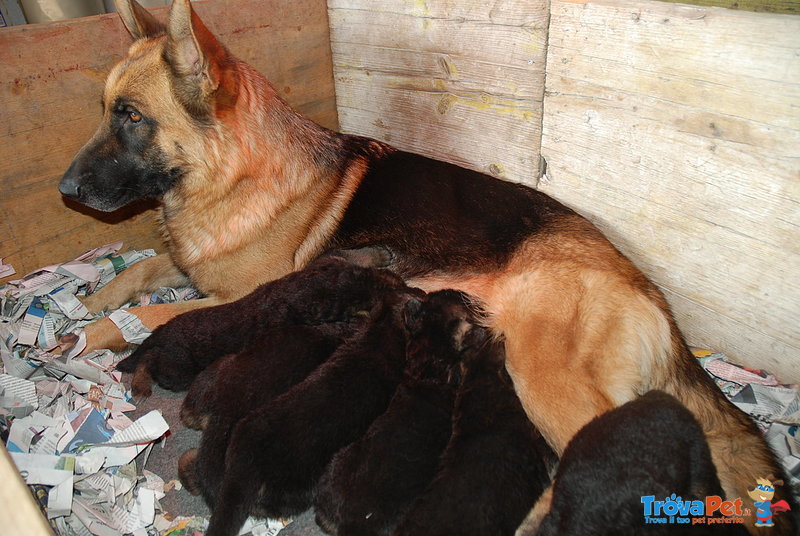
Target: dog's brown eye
135	116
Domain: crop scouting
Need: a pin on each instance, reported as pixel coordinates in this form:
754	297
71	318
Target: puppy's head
332	289
442	331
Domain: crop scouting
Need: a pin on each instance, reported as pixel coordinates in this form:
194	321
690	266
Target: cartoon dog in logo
762	495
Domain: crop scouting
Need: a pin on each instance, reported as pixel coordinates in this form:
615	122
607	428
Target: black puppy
224	392
372	482
278	452
329	290
496	463
651	446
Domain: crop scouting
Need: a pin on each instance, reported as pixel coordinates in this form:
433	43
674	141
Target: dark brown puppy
371	483
331	290
282	358
278	451
495	465
650	447
235	384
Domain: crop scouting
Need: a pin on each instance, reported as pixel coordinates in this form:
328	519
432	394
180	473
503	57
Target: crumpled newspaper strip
6	270
774	407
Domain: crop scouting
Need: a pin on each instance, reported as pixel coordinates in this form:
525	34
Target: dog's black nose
70	182
68	187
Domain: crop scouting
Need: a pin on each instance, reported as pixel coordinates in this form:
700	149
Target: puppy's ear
469	335
412	315
139	22
196	58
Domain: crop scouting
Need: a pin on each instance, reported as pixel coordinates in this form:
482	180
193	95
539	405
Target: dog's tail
737	446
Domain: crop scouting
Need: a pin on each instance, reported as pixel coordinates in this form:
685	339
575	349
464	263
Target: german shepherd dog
250	190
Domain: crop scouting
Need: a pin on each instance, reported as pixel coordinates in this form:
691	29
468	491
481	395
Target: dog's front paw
103	334
94	303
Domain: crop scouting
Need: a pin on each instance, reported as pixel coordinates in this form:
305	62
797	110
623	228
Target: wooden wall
51	76
677	130
457	80
673	128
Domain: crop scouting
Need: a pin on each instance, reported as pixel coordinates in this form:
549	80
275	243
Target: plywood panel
676	129
51	76
460	80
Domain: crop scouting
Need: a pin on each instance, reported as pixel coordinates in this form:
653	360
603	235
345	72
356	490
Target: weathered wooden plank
458	80
18	508
791	7
51	76
676	130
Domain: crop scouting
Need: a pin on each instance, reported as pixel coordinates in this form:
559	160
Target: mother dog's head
156	103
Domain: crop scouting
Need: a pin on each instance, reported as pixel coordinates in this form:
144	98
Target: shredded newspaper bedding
63	416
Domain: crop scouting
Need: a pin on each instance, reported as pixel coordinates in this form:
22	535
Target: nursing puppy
250	190
651	446
495	463
259	373
235	384
330	291
370	484
278	451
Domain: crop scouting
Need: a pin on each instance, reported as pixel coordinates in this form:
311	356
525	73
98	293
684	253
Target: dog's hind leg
581	341
572	349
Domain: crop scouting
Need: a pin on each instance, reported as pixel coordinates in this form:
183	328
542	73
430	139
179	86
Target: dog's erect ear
196	57
139	22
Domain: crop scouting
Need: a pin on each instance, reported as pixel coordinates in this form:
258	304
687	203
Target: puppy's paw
142	383
367	257
200	402
191	418
187	472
